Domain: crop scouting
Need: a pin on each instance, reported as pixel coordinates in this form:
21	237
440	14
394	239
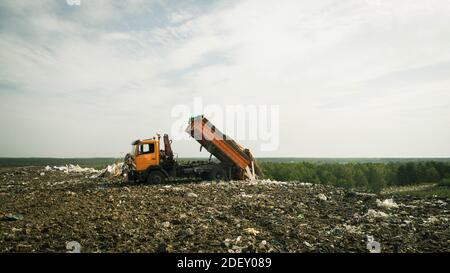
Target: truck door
146	156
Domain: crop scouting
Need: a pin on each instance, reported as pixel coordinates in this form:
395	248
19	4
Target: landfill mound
43	209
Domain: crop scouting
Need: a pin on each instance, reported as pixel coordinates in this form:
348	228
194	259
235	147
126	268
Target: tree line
369	176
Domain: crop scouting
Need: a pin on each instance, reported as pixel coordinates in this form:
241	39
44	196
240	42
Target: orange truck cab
146	153
145	160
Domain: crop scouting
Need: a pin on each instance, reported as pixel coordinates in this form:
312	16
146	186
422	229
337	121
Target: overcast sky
352	78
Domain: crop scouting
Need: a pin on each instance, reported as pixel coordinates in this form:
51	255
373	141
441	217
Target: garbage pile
42	213
113	170
70	168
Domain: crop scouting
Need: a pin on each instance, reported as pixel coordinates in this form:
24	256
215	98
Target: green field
441	189
349	159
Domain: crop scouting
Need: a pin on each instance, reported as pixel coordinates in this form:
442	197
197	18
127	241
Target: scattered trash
364	194
432	220
165	224
387	203
371	213
192	195
244	195
263	243
322	197
113	170
251	231
75	169
12	217
227	242
109	215
352	229
267	182
235	249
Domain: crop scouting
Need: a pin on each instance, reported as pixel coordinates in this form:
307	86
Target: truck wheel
218	174
156	177
131	177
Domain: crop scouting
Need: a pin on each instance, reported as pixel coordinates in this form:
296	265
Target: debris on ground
70	168
113	170
432	220
106	214
371	213
322	197
192	195
387	203
251	231
12	217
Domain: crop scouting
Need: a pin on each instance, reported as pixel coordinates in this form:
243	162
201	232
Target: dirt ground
42	210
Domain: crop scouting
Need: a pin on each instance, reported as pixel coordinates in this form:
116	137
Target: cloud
116	69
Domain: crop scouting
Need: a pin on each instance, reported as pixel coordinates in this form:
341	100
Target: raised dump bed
225	149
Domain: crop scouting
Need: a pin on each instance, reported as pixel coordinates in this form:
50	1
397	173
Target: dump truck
147	162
